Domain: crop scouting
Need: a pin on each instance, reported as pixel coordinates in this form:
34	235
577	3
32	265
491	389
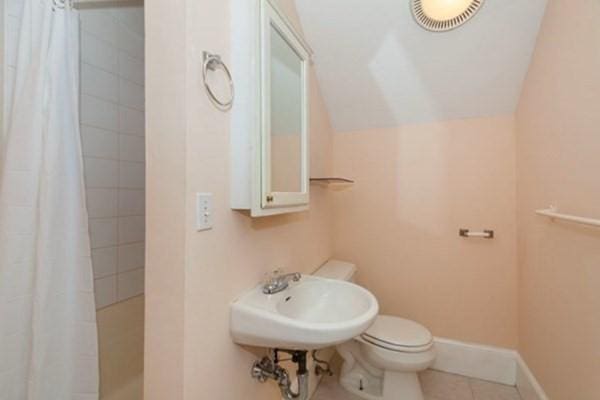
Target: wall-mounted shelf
332	180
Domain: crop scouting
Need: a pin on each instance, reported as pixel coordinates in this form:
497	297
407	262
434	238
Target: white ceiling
378	68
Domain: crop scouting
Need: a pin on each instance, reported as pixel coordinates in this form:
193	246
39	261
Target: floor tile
441	386
330	389
483	390
436	386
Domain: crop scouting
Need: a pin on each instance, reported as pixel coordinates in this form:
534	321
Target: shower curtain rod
81	4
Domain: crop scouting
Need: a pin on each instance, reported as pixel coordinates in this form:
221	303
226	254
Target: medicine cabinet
270	118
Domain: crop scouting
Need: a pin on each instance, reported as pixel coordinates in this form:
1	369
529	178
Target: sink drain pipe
270	369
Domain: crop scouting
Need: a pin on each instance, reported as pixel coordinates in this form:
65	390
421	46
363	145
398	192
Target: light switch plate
204	211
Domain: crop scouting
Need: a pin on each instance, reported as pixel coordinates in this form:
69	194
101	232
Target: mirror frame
272	18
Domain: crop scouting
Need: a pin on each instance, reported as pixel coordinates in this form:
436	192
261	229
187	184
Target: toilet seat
398	334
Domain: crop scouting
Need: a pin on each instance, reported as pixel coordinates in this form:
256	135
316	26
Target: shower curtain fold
48	335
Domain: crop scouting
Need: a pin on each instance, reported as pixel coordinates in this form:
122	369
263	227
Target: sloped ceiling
378	68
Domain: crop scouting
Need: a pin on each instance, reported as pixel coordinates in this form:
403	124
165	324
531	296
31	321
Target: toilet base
360	382
391	386
401	385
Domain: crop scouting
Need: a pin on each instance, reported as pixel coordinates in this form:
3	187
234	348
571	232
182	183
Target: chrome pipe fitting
267	368
322	367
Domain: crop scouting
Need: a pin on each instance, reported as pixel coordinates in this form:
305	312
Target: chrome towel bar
487	234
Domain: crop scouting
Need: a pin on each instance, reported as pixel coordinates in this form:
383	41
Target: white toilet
382	363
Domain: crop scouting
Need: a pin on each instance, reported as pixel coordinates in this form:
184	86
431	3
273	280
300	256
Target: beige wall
192	277
121	346
559	164
416	186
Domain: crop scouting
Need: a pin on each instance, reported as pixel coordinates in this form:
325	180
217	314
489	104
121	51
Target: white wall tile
130	284
105	261
101	24
99	142
132	17
106	291
112	117
131	229
99	113
132	175
102	203
131	95
131	256
132	148
99	53
104	232
131	68
131	42
101	173
99	83
131	202
131	122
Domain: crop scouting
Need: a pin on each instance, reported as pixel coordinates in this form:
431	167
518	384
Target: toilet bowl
383	362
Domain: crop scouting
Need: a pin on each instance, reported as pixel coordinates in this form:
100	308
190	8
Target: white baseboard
528	386
476	361
488	363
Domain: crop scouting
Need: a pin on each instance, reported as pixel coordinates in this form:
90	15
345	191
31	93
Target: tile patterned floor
436	386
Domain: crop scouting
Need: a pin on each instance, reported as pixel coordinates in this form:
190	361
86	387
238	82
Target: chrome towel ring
212	62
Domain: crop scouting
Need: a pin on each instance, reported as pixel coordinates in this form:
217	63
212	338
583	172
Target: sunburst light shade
444	15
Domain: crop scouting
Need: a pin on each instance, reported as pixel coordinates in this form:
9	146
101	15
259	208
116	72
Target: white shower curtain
48	337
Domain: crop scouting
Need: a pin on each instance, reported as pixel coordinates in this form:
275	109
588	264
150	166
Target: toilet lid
398	334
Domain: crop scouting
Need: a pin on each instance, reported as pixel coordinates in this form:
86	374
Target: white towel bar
552	212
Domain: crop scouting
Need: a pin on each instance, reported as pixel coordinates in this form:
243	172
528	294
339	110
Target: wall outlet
204	211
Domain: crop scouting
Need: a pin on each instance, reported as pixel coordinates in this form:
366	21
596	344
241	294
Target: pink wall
192	277
416	187
559	164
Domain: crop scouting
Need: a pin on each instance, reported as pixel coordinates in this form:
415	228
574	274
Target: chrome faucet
277	281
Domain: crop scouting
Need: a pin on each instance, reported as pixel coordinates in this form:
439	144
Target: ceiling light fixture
444	15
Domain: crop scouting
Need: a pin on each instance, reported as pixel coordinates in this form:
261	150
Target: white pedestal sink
310	314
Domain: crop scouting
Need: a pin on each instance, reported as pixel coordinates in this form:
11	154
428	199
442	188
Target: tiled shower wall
112	129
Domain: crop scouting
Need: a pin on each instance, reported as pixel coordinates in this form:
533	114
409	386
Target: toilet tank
334	269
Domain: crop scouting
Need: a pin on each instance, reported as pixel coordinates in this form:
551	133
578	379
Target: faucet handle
278	272
296	276
272	276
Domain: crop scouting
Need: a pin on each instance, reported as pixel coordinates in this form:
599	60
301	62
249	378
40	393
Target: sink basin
310	314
